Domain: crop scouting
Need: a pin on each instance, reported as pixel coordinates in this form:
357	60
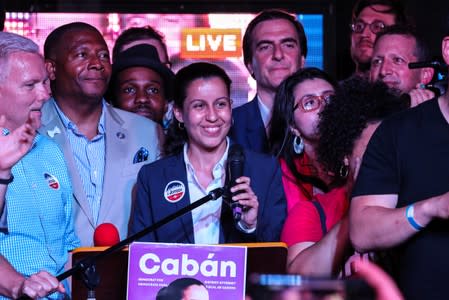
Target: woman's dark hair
175	290
177	137
280	135
343	120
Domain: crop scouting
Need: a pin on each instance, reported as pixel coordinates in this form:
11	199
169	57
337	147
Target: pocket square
140	156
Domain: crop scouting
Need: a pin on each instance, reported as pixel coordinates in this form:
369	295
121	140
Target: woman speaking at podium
195	163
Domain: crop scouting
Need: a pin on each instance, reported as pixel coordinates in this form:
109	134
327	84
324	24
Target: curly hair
342	121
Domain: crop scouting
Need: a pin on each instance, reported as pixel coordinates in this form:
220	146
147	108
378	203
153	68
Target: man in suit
274	47
104	147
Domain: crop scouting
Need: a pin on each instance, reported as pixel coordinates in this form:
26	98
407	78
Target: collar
220	165
68	124
265	112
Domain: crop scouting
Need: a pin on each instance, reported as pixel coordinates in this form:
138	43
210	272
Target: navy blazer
152	206
248	129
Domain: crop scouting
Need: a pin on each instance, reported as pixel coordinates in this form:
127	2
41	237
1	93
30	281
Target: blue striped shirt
90	159
39	212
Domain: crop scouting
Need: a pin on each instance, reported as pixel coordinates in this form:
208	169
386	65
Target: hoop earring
298	144
344	171
181	126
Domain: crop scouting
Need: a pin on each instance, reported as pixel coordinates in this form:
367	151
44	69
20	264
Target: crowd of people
339	171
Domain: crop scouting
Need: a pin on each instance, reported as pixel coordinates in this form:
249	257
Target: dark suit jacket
151	205
248	129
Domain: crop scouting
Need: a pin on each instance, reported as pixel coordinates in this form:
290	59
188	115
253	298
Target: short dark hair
55	37
421	51
396	8
176	137
266	15
135	34
342	121
175	290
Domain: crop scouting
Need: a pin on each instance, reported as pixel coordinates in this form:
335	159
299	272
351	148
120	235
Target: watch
7	181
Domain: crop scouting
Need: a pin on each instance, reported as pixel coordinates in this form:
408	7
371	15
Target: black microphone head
236	161
235	165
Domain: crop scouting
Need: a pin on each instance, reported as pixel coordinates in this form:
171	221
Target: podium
261	258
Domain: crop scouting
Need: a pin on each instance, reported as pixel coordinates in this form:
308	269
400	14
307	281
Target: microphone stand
87	265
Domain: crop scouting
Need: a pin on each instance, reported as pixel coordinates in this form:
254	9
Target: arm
13	147
322	258
375	223
14	285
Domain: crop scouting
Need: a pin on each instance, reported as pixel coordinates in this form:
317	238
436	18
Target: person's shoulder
132	118
166	161
413	116
244	108
264	159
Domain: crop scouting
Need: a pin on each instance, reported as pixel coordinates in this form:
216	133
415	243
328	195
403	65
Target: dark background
430	17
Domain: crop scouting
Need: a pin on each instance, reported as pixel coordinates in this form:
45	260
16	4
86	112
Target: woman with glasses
319	242
195	163
294	139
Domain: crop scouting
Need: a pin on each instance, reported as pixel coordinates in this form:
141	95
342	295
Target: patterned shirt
90	159
39	212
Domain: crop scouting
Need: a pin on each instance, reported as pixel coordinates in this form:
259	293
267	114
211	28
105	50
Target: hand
419	94
14	146
248	200
383	285
40	285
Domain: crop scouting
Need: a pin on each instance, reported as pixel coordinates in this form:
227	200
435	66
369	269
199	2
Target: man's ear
50	66
426	75
250	69
302	61
445	49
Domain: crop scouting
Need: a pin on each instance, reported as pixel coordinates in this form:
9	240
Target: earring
344	171
298	144
181	126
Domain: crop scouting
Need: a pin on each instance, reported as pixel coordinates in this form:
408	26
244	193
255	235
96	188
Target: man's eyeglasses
310	103
375	27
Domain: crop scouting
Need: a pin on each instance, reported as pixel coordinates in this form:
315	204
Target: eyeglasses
310	103
375	27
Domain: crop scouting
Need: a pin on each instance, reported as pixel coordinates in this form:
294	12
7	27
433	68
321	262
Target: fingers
246	196
419	95
41	284
384	286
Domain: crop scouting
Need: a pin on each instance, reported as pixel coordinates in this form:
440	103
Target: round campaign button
174	191
52	181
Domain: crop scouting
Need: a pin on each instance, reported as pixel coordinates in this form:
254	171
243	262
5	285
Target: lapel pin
55	131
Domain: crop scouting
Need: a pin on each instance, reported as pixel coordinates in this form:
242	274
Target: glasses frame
323	98
370	26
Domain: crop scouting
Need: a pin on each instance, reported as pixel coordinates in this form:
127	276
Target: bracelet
7	181
410	213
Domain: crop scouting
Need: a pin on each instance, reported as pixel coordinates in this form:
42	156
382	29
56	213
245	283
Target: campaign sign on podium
154	266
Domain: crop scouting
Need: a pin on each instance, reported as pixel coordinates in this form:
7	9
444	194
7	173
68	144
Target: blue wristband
410	213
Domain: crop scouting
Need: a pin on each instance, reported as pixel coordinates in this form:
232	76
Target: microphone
235	164
106	234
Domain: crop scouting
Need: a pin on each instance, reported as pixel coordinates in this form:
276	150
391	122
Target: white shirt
206	218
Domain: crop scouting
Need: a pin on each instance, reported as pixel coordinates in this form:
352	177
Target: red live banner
205	42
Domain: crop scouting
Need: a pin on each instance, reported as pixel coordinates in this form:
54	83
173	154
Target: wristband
7	181
410	213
